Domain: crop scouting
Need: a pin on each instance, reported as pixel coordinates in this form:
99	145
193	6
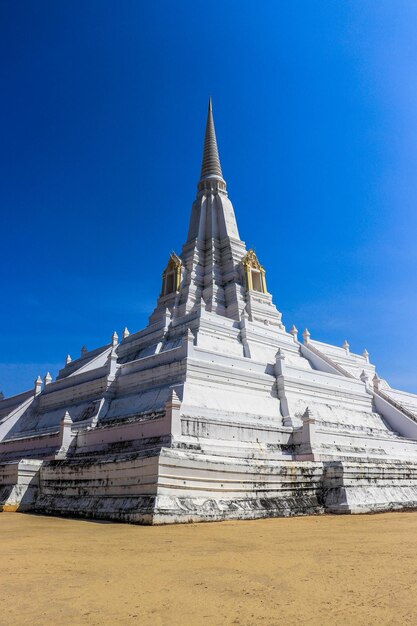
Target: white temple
214	410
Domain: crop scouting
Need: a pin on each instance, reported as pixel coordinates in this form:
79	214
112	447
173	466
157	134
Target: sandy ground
311	570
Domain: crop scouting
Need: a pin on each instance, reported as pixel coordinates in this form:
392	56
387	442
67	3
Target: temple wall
138	434
230	390
129	405
180	486
121	489
342	445
331	398
19	483
209	488
369	487
228	436
37	446
177	486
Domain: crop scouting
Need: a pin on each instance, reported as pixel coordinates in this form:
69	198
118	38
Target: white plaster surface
212	411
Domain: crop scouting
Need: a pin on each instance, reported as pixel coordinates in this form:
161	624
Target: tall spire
211	277
210	168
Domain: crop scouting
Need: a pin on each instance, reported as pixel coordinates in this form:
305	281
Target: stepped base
369	487
178	486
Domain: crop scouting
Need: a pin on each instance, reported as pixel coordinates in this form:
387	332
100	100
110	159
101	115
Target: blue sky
102	119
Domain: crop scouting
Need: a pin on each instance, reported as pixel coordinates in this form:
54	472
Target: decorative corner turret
254	273
294	333
346	347
190	337
84	351
47	379
68	359
126	333
114	339
376	381
65	436
279	363
112	360
308	435
189	340
172	412
306	336
38	385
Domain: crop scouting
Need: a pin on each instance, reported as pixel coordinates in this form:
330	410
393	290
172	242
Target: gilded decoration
254	273
171	277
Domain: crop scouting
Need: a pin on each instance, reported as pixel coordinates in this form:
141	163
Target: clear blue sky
102	115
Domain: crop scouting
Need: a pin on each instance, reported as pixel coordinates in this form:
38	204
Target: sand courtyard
306	570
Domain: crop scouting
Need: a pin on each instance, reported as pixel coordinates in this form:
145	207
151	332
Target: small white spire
365	355
126	333
294	332
173	399
306	336
47	379
84	351
114	339
66	419
68	359
376	382
38	385
279	363
65	436
346	346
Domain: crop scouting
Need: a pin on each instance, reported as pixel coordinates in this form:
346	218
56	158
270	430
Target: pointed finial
376	382
279	366
306	336
68	359
84	351
173	399
365	355
126	333
346	346
47	379
38	385
114	339
210	167
294	332
66	419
